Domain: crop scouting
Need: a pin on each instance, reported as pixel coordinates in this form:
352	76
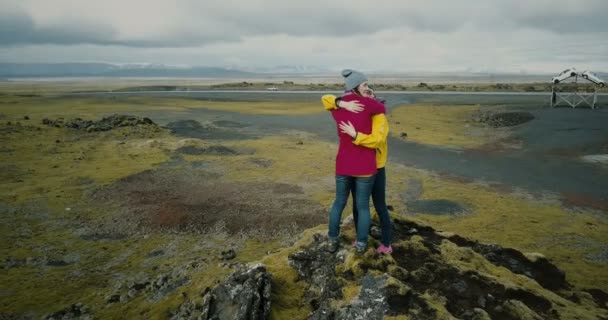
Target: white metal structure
575	98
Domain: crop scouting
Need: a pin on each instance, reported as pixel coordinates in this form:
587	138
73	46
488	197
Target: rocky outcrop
105	124
316	266
435	275
371	304
245	295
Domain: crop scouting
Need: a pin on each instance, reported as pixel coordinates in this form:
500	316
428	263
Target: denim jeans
379	199
363	187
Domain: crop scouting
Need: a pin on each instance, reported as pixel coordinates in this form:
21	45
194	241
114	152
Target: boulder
245	295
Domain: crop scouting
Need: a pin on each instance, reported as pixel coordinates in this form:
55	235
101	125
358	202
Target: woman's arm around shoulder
378	135
375	106
329	102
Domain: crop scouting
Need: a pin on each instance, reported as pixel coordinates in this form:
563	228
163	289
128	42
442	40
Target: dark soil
195	129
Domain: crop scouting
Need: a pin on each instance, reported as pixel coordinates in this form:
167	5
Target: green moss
54	159
438	304
444	126
397	287
249	107
350	292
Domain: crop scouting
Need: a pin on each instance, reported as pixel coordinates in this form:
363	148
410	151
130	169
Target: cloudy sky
382	35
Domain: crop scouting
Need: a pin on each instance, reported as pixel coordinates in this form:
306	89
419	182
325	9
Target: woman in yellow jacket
375	140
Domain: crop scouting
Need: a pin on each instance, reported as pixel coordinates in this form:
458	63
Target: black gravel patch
502	119
230	124
214	150
195	129
437	207
414	190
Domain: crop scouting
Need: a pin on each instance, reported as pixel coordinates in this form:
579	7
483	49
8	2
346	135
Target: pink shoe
384	250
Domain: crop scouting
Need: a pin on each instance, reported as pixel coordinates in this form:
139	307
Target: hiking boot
360	250
333	246
382	249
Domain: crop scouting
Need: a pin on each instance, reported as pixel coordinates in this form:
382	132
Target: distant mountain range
15	70
82	69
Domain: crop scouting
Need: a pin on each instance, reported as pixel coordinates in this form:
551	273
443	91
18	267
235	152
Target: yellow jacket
375	140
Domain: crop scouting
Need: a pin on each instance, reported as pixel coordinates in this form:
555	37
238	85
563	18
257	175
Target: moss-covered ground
443	126
56	253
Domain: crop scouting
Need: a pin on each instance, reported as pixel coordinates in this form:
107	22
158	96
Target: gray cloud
385	34
195	23
593	22
19	28
559	16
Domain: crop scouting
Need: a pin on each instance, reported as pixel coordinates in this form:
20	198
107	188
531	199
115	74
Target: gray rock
113	298
228	254
245	295
75	311
132	293
317	266
371	303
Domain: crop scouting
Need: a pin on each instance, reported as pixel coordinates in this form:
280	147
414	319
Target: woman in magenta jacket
355	165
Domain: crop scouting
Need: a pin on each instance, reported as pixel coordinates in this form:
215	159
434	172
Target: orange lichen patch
191	199
585	201
168	217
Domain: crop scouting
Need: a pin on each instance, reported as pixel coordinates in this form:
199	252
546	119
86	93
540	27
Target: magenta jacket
354	160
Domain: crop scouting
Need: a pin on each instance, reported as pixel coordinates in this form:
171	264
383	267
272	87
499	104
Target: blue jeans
379	198
363	187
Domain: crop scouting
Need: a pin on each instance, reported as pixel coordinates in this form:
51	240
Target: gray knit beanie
352	79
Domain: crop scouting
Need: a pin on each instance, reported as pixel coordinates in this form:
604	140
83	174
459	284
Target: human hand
352	106
348	128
